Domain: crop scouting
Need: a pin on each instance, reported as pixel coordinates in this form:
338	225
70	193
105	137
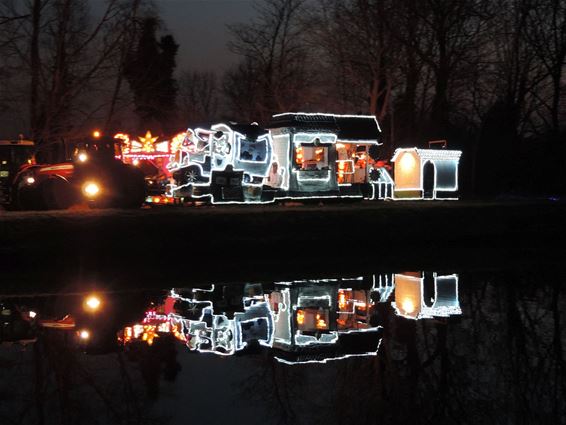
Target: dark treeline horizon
484	75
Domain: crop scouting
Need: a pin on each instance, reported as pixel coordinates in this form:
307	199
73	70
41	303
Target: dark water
434	347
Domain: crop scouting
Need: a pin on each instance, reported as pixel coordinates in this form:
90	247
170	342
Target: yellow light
407	162
147	142
320	323
84	334
96	134
91	189
342	301
300	317
177	142
136	162
30	180
408	306
82	157
93	303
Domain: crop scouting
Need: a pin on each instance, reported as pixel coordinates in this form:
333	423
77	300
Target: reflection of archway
428	180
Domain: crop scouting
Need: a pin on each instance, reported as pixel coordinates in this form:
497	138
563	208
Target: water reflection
299	321
385	348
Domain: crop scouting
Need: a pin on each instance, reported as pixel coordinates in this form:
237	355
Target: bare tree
198	95
63	59
274	56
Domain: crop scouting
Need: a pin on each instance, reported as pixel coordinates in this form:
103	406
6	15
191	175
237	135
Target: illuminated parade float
297	156
302	156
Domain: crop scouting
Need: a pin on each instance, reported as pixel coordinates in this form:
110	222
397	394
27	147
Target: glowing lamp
96	134
84	335
407	162
30	180
82	157
91	189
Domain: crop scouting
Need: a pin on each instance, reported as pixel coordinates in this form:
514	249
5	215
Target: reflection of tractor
89	173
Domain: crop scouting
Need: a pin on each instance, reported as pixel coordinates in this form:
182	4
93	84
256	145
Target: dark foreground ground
177	246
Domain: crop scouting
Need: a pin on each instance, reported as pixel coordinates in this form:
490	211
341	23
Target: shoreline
175	245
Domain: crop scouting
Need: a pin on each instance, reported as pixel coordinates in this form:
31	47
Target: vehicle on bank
13	154
75	172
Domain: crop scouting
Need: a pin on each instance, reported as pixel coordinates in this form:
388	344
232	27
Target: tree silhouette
149	70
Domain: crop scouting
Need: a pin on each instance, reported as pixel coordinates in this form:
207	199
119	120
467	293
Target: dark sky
199	26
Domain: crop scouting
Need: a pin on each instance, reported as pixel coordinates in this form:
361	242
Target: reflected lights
92	303
408	305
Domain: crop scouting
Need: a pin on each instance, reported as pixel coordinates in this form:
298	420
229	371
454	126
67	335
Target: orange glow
299	155
177	141
92	303
320	323
126	146
96	134
147	142
407	162
408	306
342	300
300	317
156	199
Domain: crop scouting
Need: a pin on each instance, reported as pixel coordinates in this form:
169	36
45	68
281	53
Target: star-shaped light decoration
147	142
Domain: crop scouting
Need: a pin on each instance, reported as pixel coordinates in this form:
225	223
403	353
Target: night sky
199	26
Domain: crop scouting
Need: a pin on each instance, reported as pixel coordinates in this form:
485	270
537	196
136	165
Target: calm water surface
411	347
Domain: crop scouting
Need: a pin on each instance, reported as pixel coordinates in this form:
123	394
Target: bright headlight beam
91	189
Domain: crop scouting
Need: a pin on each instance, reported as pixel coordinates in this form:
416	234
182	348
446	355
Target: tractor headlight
91	189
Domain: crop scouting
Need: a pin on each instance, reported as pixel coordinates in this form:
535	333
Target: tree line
486	75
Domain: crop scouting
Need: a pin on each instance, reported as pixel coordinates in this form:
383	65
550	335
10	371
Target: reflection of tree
269	385
55	383
502	361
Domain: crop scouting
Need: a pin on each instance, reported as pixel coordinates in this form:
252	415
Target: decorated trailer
298	156
205	153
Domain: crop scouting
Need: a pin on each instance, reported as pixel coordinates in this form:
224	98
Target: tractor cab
13	154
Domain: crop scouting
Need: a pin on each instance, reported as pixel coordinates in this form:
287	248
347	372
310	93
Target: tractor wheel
57	194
